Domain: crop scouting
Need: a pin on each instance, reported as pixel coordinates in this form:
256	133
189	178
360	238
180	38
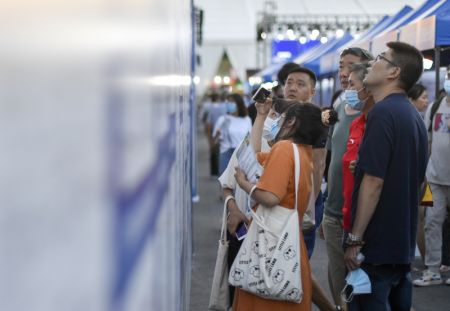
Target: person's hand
350	257
235	217
240	177
264	108
320	232
326	117
352	166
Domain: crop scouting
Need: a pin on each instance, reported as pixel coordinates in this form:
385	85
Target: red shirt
355	136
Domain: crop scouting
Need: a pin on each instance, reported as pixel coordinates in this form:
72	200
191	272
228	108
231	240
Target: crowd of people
380	147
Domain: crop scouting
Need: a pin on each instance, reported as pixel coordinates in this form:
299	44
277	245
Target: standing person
235	197
332	219
389	172
231	129
301	125
362	100
438	176
215	111
419	97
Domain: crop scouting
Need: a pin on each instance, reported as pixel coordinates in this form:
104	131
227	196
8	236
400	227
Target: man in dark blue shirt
390	170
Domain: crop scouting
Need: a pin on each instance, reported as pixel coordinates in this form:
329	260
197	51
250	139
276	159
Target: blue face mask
352	99
271	128
447	86
359	281
231	107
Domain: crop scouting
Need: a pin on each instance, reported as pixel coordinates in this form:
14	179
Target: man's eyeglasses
379	56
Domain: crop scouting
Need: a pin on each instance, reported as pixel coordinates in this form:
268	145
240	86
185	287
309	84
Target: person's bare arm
319	160
368	197
262	110
266	198
319	298
235	216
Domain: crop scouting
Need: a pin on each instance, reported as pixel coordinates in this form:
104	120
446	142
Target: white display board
95	199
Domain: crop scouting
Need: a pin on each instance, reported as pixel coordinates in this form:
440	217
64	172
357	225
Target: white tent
231	26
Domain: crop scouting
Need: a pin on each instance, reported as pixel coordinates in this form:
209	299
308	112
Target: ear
394	73
291	122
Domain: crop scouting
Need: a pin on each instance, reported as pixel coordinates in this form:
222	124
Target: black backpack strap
433	111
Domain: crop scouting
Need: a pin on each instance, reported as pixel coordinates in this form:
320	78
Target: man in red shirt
359	99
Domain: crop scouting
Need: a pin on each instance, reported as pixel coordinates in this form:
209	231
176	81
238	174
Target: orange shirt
278	178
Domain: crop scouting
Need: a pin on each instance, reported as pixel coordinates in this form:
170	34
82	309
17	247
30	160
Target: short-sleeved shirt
354	141
335	200
438	170
394	148
278	178
215	112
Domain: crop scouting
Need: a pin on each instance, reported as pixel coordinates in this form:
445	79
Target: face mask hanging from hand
447	86
271	128
352	99
360	283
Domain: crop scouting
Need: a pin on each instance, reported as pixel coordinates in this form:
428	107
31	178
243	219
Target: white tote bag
219	299
268	262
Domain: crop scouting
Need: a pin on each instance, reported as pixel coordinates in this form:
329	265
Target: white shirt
232	131
438	169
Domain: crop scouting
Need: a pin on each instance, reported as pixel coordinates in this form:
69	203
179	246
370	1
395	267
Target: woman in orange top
302	125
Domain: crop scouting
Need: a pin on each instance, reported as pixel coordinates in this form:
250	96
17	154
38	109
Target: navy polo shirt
394	148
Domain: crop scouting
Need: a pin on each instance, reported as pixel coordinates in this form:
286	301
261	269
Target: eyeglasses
379	56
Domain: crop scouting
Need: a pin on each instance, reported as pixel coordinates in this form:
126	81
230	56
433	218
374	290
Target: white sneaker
428	278
448	281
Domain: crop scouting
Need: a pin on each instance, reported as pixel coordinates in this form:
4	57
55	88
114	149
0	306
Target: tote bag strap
223	232
297	173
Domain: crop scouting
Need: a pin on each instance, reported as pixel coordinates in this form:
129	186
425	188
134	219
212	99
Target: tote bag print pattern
268	262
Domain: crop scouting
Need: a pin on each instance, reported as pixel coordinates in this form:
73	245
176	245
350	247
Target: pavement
207	215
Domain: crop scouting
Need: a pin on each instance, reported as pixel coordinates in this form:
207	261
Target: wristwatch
354	240
338	308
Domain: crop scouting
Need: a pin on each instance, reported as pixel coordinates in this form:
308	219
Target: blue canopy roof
442	13
313	60
384	23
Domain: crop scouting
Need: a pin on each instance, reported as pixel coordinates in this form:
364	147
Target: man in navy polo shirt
389	173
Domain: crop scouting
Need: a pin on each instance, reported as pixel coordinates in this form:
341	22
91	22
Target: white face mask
359	281
447	86
271	128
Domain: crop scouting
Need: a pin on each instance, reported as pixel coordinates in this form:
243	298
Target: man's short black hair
285	70
409	60
363	54
310	73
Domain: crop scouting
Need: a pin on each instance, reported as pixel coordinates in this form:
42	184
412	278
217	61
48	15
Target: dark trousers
214	160
391	289
233	249
446	241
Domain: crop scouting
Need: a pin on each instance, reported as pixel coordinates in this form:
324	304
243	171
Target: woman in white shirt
231	128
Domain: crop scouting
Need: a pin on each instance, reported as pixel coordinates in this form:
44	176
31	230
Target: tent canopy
329	63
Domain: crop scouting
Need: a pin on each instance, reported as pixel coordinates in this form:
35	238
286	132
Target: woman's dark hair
308	126
280	105
242	110
417	90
